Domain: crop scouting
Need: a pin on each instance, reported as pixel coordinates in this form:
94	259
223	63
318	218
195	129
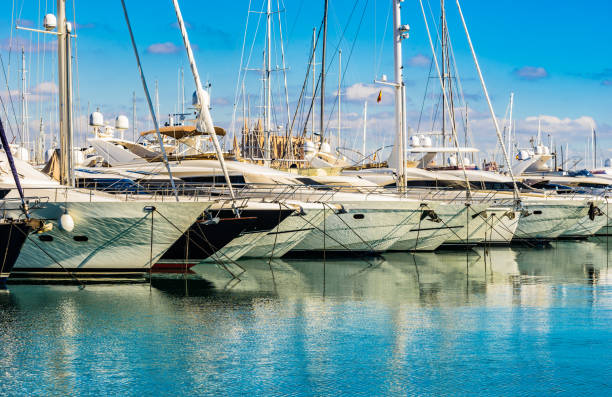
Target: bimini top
182	131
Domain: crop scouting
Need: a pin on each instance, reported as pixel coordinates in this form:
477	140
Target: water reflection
500	321
495	274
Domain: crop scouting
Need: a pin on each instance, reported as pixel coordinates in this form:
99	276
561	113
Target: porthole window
538	212
81	238
359	216
45	237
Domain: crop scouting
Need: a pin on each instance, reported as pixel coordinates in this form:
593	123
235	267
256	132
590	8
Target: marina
398	234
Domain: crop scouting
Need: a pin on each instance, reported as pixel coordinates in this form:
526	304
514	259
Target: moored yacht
96	232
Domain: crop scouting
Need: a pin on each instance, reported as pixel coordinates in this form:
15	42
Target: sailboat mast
268	86
443	48
399	33
148	98
25	141
133	116
322	114
65	97
204	121
510	124
594	149
182	91
365	130
314	81
157	98
486	94
339	93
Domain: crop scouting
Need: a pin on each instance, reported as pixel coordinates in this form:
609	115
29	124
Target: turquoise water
511	322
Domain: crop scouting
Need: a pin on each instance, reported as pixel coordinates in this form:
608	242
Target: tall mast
486	94
510	123
268	86
594	149
399	33
204	122
244	114
25	141
314	81
40	147
182	91
365	130
443	49
145	88
339	93
157	98
133	116
65	95
322	121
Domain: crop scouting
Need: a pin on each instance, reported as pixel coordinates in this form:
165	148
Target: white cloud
360	92
45	88
531	73
553	124
162	48
419	60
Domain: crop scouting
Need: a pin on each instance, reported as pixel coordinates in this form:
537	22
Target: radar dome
415	141
122	123
325	147
50	22
426	141
96	119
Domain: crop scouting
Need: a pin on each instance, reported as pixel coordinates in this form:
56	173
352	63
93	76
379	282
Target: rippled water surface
534	321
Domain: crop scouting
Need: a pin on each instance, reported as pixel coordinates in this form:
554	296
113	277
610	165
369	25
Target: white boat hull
549	219
107	235
427	233
472	218
290	232
587	227
362	227
501	225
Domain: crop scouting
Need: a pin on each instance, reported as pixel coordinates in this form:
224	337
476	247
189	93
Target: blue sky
553	55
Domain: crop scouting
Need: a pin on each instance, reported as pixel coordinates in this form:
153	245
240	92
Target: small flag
379	97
